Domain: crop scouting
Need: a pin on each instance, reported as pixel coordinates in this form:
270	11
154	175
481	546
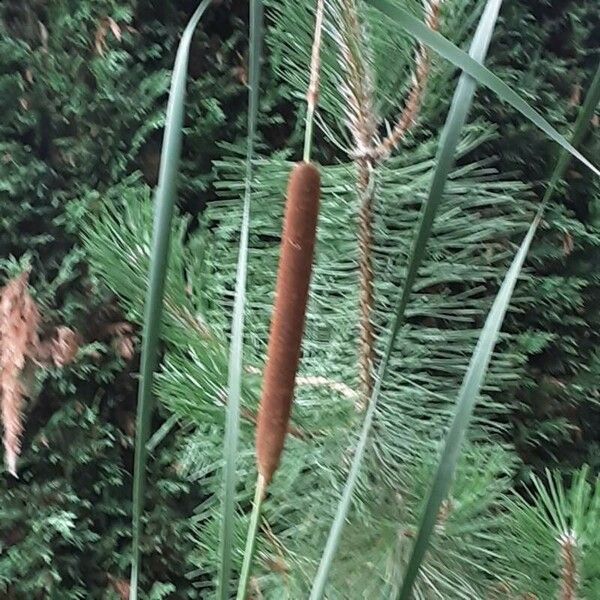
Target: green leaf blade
234	384
467	398
166	194
481	357
457	116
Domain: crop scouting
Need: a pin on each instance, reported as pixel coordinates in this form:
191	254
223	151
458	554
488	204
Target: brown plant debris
312	95
121	586
568	571
65	345
106	25
123	339
287	322
19	323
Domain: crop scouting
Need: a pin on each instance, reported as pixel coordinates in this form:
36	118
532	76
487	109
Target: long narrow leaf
237	329
467	397
166	194
480	359
484	76
461	104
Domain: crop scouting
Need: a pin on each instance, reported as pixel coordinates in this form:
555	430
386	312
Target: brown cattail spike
287	321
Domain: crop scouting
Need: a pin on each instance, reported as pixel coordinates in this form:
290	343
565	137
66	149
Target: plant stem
259	493
312	94
310	116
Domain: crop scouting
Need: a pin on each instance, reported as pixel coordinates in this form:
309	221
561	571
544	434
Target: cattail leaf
472	67
457	116
166	194
467	397
480	359
234	383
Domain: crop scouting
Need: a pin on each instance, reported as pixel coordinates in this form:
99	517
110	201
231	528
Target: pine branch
358	90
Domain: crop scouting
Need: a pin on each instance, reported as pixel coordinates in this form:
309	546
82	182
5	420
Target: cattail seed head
287	321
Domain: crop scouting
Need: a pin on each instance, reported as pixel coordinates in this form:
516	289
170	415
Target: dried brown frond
19	323
358	91
568	571
407	118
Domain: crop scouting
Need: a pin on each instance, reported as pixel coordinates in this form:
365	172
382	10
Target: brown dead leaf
65	345
121	586
114	27
575	99
568	244
106	25
239	71
43	36
123	339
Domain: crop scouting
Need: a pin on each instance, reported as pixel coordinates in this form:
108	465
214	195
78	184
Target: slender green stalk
308	133
259	494
234	387
261	483
457	116
166	194
446	49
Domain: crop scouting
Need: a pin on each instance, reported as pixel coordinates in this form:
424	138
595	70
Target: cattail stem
312	95
259	493
366	193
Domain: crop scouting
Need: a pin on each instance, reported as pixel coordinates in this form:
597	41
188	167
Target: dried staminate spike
19	322
287	321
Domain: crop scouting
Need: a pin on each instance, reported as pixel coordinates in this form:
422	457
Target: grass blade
457	116
467	397
165	200
234	383
484	76
481	356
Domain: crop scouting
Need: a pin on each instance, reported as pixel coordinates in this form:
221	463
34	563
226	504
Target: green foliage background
82	112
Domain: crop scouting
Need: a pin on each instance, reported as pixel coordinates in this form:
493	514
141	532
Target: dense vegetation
82	90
